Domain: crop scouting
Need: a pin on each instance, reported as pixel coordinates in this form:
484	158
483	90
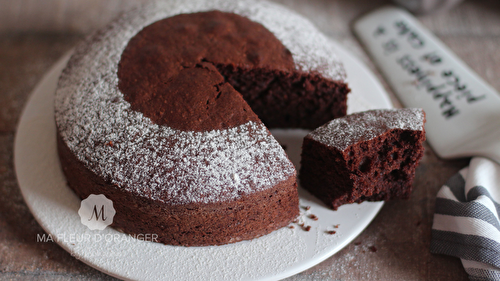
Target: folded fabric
466	221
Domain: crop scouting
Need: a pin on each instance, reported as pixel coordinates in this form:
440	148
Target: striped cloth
466	221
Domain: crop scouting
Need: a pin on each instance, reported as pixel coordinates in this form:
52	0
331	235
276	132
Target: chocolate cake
161	112
369	156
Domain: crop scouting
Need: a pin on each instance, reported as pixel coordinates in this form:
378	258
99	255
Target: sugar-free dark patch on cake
368	156
190	71
161	112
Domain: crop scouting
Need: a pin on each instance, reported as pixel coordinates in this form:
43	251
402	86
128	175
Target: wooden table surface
34	34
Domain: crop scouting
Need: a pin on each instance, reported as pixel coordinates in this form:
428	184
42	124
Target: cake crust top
168	71
343	132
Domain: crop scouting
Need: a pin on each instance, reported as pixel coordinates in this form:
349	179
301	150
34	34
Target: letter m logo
96	212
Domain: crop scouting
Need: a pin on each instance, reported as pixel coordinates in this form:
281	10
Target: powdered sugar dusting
344	132
118	143
311	50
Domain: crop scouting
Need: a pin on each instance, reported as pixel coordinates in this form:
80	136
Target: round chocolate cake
165	110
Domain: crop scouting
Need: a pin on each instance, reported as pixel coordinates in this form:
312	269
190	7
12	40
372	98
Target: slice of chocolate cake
370	156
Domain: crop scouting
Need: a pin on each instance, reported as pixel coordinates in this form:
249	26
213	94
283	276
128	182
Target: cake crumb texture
367	156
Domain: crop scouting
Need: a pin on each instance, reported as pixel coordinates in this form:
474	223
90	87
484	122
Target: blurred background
82	16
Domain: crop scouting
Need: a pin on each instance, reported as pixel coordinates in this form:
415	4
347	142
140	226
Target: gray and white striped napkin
466	220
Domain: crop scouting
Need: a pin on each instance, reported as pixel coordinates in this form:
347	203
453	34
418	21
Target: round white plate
278	255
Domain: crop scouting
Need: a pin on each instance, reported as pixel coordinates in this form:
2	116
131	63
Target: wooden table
34	34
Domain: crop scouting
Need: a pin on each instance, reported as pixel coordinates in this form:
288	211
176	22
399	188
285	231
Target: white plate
278	255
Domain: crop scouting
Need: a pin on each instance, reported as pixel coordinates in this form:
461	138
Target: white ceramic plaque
463	111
